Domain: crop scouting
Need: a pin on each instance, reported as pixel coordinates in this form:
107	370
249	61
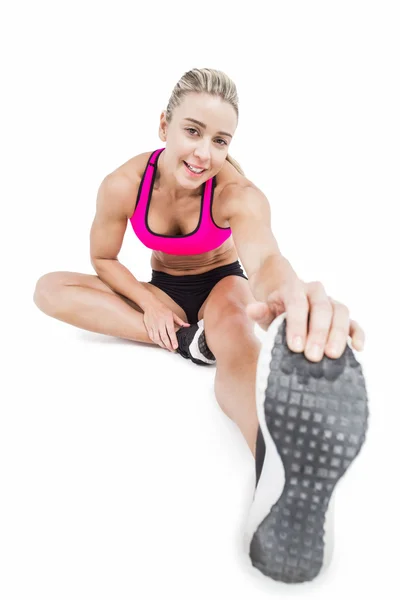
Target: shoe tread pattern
317	415
204	349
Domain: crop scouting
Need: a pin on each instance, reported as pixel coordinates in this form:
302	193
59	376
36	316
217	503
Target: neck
166	183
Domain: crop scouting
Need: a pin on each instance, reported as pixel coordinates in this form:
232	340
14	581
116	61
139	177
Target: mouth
193	170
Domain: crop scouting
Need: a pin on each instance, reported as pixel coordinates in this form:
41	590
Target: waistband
232	267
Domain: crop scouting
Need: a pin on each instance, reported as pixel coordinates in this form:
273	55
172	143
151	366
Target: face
203	145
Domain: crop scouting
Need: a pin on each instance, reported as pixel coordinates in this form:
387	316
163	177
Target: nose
202	152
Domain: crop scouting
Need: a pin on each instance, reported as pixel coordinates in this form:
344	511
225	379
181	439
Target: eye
189	129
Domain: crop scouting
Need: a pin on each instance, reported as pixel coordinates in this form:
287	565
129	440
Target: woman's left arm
316	324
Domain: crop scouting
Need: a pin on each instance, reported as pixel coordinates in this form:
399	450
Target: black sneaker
192	344
313	422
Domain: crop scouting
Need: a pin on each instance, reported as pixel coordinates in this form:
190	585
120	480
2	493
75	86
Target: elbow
98	263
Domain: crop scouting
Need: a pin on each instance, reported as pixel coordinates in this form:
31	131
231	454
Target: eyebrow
203	125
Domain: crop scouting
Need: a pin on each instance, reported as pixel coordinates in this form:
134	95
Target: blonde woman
299	398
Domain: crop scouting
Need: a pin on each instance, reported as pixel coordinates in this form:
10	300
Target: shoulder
247	211
132	169
123	183
238	196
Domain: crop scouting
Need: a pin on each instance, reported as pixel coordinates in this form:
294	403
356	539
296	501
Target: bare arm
114	201
249	217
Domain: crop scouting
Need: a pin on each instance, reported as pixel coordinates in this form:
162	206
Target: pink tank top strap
149	173
139	213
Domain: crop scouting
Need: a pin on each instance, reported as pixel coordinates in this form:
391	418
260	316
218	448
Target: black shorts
190	291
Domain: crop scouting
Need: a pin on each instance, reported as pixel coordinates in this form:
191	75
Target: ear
162	130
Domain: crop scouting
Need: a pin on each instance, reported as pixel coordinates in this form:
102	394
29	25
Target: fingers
322	324
257	310
297	309
169	337
166	339
308	318
163	336
179	321
171	329
339	331
260	313
172	335
357	336
155	337
321	313
166	335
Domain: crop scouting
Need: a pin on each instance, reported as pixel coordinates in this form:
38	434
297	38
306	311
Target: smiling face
199	134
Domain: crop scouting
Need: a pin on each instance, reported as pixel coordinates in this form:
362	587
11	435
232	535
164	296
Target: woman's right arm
113	205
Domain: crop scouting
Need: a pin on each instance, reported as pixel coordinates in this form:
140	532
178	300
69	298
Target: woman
192	205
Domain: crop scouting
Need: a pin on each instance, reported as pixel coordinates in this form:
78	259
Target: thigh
52	281
230	292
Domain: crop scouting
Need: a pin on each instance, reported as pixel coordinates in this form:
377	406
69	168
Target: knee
231	320
220	315
45	290
231	338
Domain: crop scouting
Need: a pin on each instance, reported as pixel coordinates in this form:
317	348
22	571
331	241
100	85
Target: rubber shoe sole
313	418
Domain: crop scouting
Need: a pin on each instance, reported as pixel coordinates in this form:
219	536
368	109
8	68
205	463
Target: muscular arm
249	216
114	202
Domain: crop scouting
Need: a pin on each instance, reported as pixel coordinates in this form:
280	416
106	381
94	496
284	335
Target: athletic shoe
192	344
313	421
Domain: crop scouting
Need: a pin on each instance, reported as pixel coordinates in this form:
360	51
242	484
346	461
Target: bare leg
93	306
235	391
230	336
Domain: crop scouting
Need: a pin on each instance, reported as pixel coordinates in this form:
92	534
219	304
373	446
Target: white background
120	476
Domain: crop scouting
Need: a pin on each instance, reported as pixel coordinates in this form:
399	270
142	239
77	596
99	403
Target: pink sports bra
207	235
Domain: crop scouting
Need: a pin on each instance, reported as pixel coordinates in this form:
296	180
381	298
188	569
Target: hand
307	305
160	321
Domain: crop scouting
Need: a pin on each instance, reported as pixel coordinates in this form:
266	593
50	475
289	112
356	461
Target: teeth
193	169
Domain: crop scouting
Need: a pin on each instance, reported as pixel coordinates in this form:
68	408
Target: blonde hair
211	82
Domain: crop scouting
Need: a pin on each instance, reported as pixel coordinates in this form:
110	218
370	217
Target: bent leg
88	303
